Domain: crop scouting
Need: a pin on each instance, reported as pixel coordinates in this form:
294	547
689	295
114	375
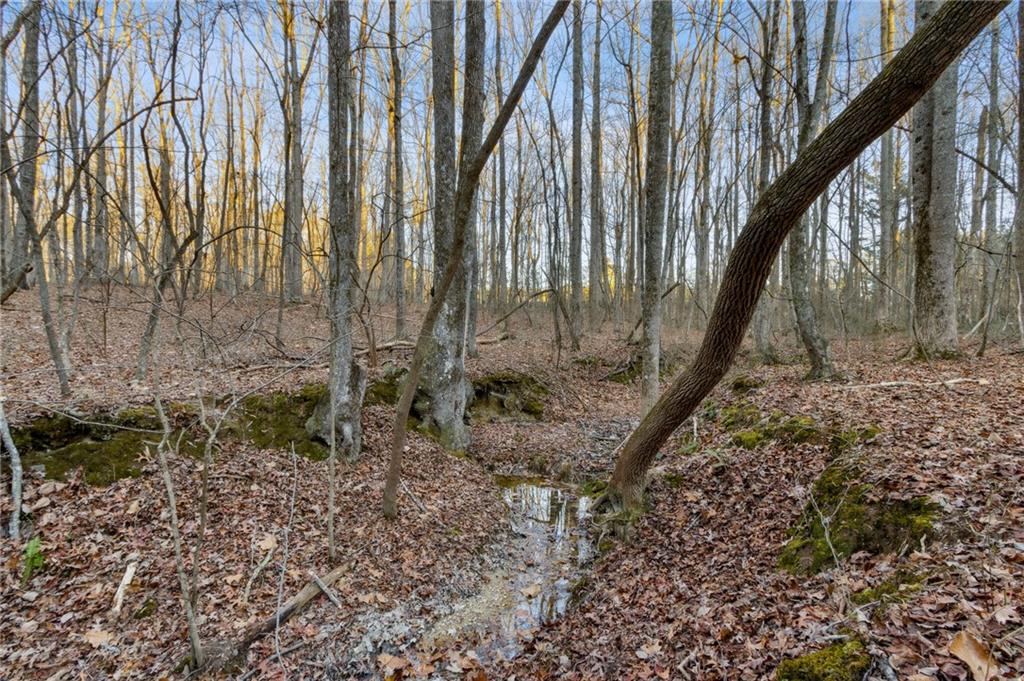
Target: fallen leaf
98	637
268	543
392	662
530	591
648	650
978	658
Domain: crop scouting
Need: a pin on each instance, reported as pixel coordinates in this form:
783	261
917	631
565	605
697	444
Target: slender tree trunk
911	73
31	136
596	267
1018	218
398	226
576	226
659	92
809	112
935	191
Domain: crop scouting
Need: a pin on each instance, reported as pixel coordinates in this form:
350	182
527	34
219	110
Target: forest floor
696	590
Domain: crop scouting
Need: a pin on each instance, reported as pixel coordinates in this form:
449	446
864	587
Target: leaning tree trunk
468	181
935	191
31	136
809	111
659	91
905	80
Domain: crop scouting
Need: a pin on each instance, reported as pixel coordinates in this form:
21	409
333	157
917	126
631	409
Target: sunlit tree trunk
30	139
887	204
398	224
576	201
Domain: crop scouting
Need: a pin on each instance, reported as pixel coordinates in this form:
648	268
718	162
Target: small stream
548	549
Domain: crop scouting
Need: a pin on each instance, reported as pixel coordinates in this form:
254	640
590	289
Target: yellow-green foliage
839	662
749	439
739	415
844	440
855	523
750	429
32	559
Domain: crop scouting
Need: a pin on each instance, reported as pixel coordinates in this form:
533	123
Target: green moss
605	545
744	383
388	388
799	429
508	394
844	440
898	588
839	662
634	368
278	421
145	610
842	518
674	480
738	416
748	439
593	487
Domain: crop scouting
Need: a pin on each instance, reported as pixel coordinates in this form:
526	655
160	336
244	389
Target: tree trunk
905	80
935	192
596	264
1018	218
445	374
887	204
31	136
809	112
576	225
398	226
463	203
659	92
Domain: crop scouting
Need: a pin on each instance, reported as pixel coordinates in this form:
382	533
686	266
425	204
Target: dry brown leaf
98	637
974	653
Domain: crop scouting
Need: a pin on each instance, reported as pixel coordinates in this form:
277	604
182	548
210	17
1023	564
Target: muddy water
548	553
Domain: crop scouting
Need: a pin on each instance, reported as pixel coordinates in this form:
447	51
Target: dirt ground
695	592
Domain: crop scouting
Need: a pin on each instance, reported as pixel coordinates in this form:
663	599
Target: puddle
548	551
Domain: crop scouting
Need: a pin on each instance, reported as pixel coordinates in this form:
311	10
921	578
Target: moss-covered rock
633	368
508	394
843	518
388	388
744	383
839	662
738	416
278	421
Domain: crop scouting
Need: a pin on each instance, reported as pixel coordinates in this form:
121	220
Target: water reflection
549	551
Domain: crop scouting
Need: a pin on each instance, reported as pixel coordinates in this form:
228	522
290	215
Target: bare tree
934	46
576	199
468	181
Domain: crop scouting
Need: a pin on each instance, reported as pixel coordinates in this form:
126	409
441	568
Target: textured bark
445	374
596	265
30	139
468	180
990	261
398	224
658	92
933	47
340	423
809	113
1018	218
887	203
576	200
770	32
935	192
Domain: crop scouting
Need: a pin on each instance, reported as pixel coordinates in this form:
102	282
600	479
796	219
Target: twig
126	580
326	589
256	573
914	384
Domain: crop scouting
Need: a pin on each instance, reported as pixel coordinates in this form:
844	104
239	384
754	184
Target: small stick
126	580
326	589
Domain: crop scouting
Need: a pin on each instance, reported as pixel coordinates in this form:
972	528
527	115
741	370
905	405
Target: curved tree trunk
904	81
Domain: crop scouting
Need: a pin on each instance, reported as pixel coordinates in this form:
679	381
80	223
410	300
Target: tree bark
809	113
576	224
398	226
900	84
659	91
935	192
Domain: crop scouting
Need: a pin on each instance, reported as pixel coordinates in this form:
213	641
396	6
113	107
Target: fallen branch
512	312
325	589
915	384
